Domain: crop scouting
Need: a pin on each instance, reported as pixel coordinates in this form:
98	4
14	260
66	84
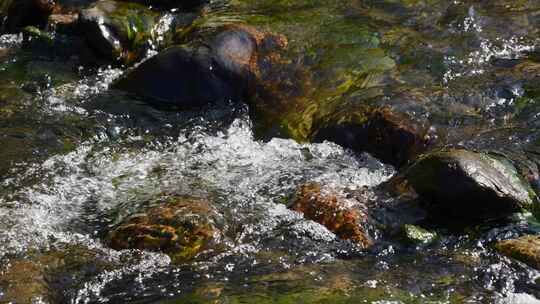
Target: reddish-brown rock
341	215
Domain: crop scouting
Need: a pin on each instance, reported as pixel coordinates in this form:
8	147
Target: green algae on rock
525	249
119	31
181	227
469	185
418	235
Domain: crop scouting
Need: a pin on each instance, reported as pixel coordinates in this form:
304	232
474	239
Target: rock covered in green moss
181	227
525	249
119	31
418	235
469	185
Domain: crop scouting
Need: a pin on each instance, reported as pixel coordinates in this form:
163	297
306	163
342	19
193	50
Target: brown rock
525	249
181	228
35	278
333	210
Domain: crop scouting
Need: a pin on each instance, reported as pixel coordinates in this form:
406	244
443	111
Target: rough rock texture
181	228
469	185
525	249
333	210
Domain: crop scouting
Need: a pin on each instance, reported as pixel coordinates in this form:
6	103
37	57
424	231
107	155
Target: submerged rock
181	228
184	4
42	277
345	217
196	75
17	14
525	249
392	137
119	30
469	185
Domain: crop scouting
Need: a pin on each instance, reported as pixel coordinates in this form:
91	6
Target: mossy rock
418	235
181	227
119	31
525	249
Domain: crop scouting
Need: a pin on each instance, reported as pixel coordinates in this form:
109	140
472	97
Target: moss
32	33
525	249
180	227
120	30
418	235
312	294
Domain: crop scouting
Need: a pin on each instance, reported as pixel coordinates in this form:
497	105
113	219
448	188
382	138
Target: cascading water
80	157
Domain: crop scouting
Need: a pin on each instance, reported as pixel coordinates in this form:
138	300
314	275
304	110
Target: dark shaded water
78	157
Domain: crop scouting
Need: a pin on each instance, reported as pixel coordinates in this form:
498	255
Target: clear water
91	156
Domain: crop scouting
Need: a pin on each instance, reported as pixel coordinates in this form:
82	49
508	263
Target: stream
79	157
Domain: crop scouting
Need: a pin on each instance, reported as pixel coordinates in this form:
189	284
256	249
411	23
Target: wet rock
390	136
63	22
418	235
24	282
525	249
345	217
119	31
42	277
182	77
469	185
194	76
181	228
20	13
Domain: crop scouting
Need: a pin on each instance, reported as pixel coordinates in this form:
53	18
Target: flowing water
78	157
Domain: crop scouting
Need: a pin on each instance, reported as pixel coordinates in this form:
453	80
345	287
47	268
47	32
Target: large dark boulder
16	14
469	185
221	70
180	76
